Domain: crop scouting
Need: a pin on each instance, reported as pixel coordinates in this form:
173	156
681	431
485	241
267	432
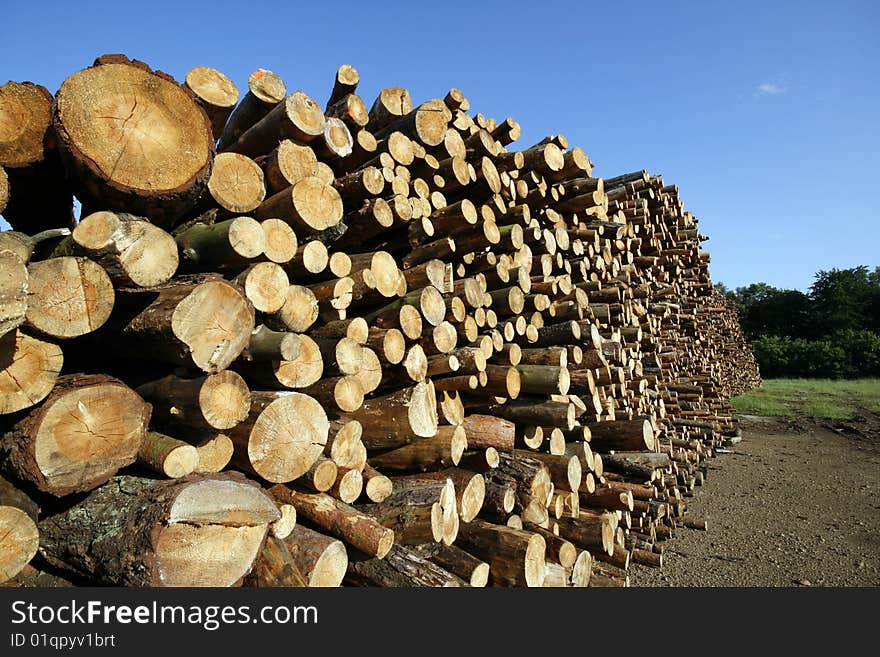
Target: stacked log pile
295	344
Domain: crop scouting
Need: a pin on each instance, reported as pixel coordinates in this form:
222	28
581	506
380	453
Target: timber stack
292	343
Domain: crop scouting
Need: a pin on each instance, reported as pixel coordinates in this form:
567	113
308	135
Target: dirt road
797	504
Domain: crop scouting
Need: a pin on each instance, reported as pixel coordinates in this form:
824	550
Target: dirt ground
796	504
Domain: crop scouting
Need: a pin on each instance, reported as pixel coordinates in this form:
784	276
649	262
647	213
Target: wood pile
293	343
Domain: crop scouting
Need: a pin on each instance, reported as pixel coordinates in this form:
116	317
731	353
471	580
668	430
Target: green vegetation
832	331
820	398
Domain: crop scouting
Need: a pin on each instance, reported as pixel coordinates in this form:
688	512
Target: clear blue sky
765	113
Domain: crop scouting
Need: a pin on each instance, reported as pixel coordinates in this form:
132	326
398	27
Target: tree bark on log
198	531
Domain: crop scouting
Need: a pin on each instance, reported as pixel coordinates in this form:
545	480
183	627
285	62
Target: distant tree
766	310
845	300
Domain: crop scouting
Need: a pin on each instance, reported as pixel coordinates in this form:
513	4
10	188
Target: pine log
86	429
275	567
134	140
297	117
403	567
458	562
310	206
321	559
515	557
130	249
229	244
215	93
29	368
188	322
440	451
622	435
398	418
33	186
216	401
236	184
265	91
68	297
168	456
282	437
338	519
18	527
204	530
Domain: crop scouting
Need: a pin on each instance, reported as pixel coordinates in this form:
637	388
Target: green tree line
833	330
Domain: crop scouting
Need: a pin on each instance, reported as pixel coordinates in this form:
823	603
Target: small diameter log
215	93
265	285
133	140
281	242
168	456
348	486
338	519
284	526
622	435
484	431
18	527
346	82
458	562
440	451
427	123
565	471
29	368
282	437
593	533
378	487
130	249
204	530
206	324
559	550
297	117
33	187
287	164
310	206
399	418
391	104
229	244
515	557
85	430
268	345
265	91
216	401
236	184
321	476
321	559
403	567
68	297
275	567
301	372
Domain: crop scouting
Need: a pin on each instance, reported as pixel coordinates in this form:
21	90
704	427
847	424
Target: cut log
130	249
217	401
206	324
204	530
215	93
85	430
29	368
440	451
309	206
265	91
37	195
403	567
634	435
134	140
515	557
229	244
321	559
391	104
275	567
68	297
398	418
378	487
282	437
458	562
168	456
339	519
18	527
298	117
236	183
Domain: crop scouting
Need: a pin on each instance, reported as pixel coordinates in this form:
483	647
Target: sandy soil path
794	505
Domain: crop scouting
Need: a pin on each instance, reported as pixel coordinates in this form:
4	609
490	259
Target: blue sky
764	113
